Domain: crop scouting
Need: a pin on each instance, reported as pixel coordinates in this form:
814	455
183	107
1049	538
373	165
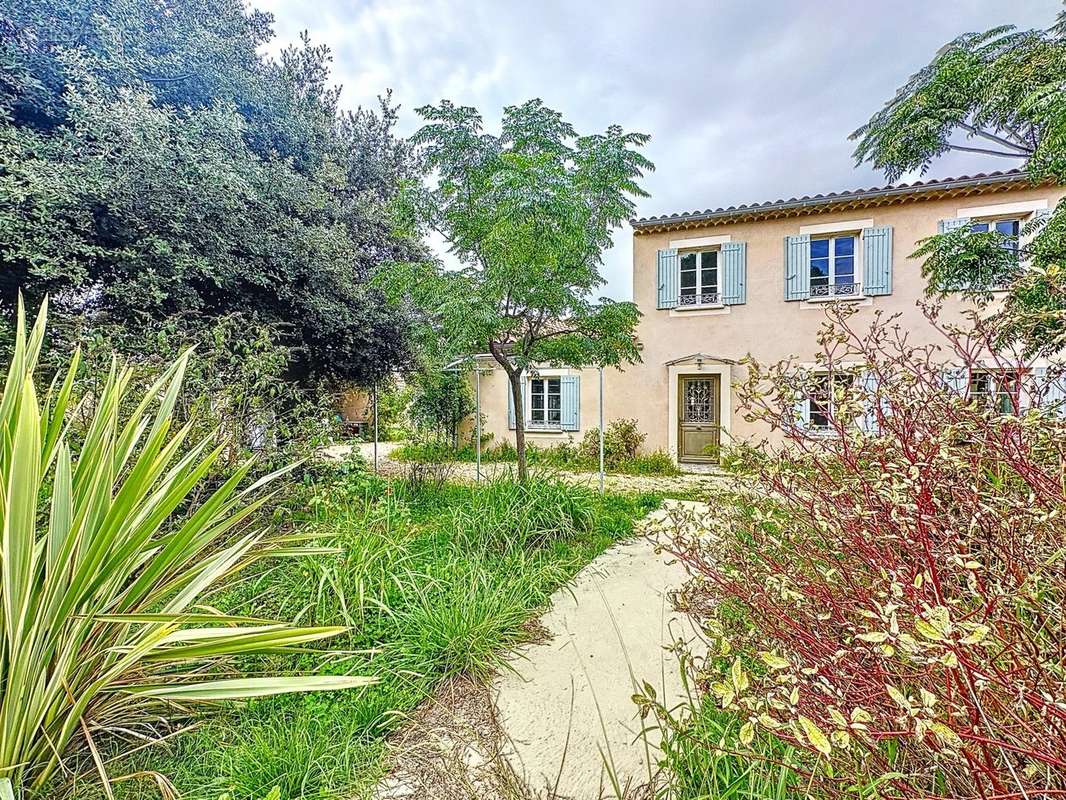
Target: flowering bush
889	595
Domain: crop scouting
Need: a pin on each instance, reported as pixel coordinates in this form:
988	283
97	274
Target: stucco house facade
715	286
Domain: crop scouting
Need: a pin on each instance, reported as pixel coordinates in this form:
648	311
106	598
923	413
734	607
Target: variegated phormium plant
103	558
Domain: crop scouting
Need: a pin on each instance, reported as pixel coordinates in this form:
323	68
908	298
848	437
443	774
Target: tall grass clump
106	552
893	592
505	513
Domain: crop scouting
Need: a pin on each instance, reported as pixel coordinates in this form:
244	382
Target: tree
441	401
528	213
998	94
153	165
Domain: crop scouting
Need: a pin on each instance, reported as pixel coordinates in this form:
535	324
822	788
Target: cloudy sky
745	101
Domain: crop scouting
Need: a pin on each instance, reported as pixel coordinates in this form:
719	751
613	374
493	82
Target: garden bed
433	582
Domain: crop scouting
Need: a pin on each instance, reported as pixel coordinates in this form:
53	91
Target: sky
744	101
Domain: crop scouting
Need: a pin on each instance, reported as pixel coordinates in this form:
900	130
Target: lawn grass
432	581
562	456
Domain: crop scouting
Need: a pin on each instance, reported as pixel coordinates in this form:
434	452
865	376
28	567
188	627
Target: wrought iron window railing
704	299
835	290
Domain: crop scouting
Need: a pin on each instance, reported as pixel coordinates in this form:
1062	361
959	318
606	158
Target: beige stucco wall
766	327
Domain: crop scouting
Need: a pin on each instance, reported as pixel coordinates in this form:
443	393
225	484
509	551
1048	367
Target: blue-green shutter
798	267
946	225
956	380
1040	218
877	260
1051	390
734	273
570	402
510	401
868	385
668	277
952	224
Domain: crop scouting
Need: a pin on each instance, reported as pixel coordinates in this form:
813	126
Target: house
714	286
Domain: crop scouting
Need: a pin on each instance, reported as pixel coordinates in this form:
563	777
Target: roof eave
874	197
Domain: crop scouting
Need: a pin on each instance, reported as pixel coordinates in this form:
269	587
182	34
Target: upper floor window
1010	228
833	266
699	279
545	402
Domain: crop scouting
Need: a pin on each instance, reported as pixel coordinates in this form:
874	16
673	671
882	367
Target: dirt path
689	484
560	723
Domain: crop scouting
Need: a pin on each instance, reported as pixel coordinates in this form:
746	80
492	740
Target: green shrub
106	556
621	442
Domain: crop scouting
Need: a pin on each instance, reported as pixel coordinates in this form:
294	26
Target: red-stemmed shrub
889	590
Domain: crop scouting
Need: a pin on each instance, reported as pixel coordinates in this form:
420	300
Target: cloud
745	101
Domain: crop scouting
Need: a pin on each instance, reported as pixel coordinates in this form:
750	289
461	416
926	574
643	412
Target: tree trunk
515	378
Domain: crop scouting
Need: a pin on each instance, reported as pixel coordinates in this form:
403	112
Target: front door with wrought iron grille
699	425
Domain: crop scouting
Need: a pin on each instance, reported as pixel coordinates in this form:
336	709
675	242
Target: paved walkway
687	484
561	721
567	710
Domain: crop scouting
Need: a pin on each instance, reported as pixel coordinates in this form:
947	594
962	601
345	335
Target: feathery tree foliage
528	213
998	94
154	165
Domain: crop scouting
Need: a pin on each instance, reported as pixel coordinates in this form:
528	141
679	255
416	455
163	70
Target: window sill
843	298
698	307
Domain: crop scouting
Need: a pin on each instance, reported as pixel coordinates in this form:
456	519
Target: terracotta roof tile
899	189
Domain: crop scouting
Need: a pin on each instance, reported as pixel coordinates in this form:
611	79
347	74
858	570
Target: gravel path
688	484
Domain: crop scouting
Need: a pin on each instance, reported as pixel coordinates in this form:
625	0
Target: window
545	402
824	395
699	279
1010	229
995	389
833	267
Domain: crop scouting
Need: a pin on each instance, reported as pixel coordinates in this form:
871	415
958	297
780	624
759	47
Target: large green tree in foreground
528	213
998	94
155	166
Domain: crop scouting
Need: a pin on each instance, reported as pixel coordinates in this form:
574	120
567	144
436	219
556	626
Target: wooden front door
699	422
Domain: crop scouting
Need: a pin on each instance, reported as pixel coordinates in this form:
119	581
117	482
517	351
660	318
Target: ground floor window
545	402
996	389
824	397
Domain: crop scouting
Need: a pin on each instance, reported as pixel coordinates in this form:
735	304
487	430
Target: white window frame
826	430
856	260
1000	393
714	299
545	424
990	221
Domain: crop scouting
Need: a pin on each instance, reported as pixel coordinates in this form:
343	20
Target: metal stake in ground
601	430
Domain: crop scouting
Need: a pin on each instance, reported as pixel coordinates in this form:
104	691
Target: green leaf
245	688
817	739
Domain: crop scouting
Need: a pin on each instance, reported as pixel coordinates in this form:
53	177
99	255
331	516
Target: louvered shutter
668	278
798	267
868	384
510	401
734	273
877	261
570	402
1052	391
956	380
946	225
